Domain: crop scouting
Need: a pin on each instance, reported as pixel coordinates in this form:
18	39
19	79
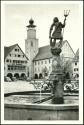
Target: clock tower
31	46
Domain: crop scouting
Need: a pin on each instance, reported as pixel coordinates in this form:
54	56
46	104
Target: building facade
15	62
40	59
76	65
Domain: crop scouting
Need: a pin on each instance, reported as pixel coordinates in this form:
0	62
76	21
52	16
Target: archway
77	75
16	75
36	76
23	75
40	76
9	75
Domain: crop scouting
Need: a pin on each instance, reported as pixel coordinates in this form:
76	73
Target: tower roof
31	23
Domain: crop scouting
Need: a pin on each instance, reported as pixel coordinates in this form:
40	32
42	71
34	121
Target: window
18	61
21	61
49	60
75	63
11	68
15	55
42	62
31	43
10	54
23	55
35	69
74	69
38	62
25	61
45	62
13	61
18	50
8	67
7	60
18	55
35	62
38	69
10	61
15	49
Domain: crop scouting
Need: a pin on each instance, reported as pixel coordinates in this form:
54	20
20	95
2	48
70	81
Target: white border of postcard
80	121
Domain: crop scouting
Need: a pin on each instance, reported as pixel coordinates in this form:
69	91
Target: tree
67	68
45	71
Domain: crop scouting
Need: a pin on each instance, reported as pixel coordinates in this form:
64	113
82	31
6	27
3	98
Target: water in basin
28	99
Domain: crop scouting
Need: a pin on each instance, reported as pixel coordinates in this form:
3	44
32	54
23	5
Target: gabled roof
44	52
76	57
8	49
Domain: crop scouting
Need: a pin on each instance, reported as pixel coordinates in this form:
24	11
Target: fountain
57	107
57	72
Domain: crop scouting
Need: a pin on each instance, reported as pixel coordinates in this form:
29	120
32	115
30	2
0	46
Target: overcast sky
17	18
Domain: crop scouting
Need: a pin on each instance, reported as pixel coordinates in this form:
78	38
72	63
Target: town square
42	61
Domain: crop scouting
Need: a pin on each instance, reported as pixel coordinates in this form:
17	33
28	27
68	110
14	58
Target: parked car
7	79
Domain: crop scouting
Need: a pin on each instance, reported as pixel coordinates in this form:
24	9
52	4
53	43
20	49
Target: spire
31	24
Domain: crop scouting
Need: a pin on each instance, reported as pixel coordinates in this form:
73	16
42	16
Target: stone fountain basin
37	97
44	110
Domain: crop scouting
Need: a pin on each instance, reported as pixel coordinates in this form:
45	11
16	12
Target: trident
66	13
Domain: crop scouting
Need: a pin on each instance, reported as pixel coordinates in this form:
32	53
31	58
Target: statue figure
57	33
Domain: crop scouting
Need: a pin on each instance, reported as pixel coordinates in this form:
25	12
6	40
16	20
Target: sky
17	17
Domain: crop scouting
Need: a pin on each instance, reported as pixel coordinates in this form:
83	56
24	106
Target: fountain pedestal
57	77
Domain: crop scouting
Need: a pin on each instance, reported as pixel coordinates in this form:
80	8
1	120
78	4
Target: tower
31	46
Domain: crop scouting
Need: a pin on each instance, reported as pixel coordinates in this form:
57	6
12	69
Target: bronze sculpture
57	33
